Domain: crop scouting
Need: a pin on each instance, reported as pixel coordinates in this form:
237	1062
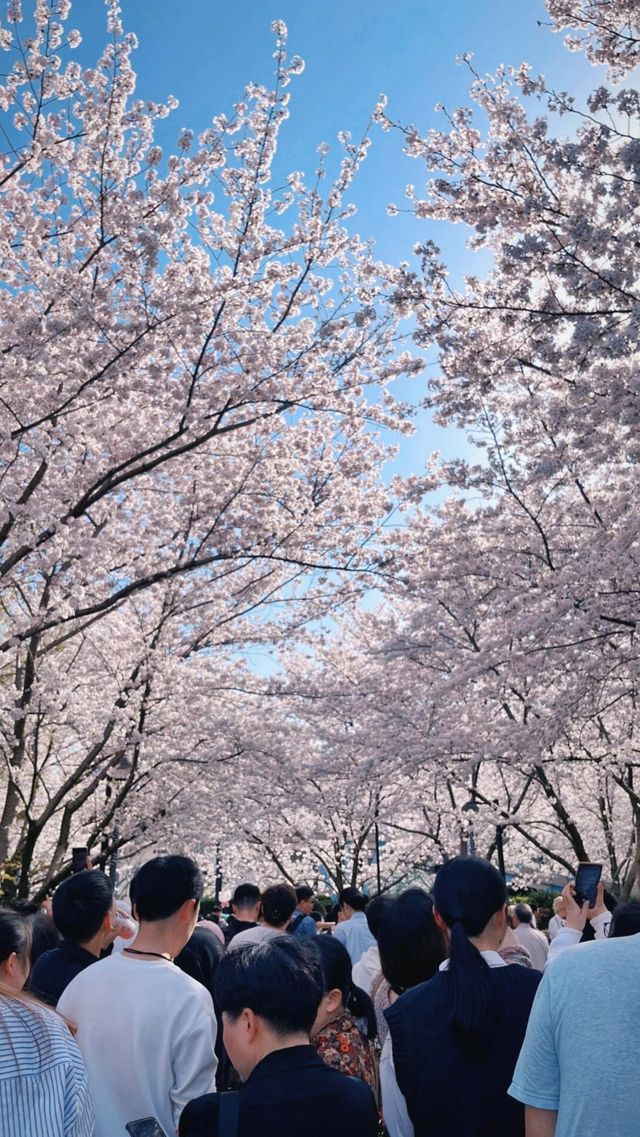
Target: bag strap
229	1114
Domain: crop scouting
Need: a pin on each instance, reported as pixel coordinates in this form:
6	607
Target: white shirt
355	935
255	935
366	969
394	1106
146	1032
536	944
568	937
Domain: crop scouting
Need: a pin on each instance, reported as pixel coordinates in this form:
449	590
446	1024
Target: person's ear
439	922
250	1025
333	1000
8	966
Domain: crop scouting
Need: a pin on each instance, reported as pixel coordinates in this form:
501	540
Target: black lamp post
117	773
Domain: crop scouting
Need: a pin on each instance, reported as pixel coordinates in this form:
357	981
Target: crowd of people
442	1015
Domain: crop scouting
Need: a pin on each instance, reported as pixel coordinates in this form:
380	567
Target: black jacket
291	1093
54	970
234	925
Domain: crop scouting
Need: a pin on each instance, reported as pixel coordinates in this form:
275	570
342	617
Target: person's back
451	1086
291	1093
83	913
529	937
353	930
580	1055
44	1088
146	1030
269	994
455	1039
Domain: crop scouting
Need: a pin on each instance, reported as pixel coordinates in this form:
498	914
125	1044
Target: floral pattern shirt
342	1044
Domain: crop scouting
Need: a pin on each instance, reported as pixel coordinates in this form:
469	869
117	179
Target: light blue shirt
580	1053
44	1089
355	935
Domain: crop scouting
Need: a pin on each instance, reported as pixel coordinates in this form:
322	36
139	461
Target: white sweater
146	1032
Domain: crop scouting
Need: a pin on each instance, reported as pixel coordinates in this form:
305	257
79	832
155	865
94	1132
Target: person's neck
486	942
94	946
159	939
280	1042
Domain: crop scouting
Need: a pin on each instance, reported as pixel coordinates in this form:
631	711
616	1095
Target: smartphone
79	858
145	1127
587	881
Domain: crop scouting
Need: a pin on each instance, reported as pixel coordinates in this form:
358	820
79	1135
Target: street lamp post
468	836
118	773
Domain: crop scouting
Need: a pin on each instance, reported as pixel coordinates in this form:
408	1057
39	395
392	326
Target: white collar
490	957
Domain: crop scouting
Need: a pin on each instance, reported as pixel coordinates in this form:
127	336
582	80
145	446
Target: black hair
246	896
375	912
353	898
412	947
625	920
336	965
80	905
467	893
278	904
524	913
277	979
303	892
44	935
161	886
15	935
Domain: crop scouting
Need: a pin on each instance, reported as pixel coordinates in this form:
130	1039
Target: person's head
278	905
411	944
560	907
83	909
15	943
268	994
376	911
167	890
625	920
44	935
470	901
245	903
351	901
522	914
304	897
339	991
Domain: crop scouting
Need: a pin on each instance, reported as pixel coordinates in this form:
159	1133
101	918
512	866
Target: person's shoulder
200	1116
516	975
89	979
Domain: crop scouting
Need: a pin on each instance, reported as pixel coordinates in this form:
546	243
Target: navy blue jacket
452	1088
291	1093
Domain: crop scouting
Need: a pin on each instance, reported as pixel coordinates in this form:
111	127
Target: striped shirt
44	1091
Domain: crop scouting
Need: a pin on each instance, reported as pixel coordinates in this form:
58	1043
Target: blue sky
204	51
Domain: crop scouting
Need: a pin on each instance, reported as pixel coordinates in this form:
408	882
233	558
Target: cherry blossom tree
194	362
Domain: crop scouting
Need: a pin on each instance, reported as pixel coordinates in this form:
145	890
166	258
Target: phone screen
587	880
145	1127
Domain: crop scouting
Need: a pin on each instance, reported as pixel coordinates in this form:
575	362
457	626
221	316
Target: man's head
522	914
84	911
245	903
269	994
351	901
278	905
168	889
304	896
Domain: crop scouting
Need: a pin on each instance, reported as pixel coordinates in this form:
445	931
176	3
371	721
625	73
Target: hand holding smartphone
587	881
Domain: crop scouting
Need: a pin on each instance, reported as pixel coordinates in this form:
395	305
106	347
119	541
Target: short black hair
277	979
80	904
625	920
524	913
246	896
353	898
278	904
161	886
303	892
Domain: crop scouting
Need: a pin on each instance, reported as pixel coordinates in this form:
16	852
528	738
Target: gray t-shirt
580	1054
